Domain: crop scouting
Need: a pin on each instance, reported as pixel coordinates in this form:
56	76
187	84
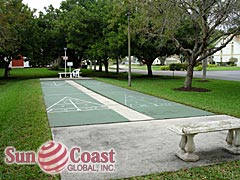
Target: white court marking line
125	99
64	106
63	94
53	83
124	111
132	101
74	104
56	103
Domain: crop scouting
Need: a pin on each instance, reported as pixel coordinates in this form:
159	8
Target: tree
209	21
116	30
80	24
150	38
14	23
50	36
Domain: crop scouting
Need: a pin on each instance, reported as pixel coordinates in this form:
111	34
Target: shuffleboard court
68	106
152	106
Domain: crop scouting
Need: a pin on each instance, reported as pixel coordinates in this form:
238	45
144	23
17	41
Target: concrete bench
63	73
189	130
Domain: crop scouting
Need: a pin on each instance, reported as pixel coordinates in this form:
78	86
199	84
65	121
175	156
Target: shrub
212	65
177	67
222	63
232	61
184	67
199	68
173	67
55	68
164	68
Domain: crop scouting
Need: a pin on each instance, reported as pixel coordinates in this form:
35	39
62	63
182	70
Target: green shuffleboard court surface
68	106
149	105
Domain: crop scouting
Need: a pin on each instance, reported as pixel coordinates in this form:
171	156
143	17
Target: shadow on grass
192	89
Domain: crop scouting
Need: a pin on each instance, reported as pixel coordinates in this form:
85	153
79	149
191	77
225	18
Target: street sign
65	58
69	63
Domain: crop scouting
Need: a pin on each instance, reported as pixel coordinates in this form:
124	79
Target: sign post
70	64
65	59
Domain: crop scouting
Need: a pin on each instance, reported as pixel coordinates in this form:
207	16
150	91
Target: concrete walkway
142	147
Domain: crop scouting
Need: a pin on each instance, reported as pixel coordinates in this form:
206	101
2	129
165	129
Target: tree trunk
7	69
189	77
106	66
204	65
149	68
91	65
117	65
95	65
100	65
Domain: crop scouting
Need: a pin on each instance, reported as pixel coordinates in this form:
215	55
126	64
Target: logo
54	157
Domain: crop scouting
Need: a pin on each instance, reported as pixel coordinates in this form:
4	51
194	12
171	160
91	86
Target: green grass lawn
30	73
24	123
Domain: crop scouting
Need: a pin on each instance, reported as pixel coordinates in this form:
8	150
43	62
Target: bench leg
236	138
229	138
60	76
233	141
183	143
187	148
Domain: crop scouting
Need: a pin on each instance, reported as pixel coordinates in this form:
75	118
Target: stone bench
189	130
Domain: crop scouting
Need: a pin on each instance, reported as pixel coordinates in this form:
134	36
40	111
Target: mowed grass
24	123
30	73
226	171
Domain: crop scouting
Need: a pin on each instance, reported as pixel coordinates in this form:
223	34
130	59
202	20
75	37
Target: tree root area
192	89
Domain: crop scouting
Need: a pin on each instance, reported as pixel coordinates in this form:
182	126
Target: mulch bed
203	81
192	89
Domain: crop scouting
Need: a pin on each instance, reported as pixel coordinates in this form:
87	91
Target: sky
40	4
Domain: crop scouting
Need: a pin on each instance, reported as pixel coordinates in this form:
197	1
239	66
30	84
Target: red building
19	62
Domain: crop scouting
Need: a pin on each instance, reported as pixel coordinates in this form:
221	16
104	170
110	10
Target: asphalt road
223	75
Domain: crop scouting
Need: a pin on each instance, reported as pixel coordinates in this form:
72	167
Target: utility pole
129	51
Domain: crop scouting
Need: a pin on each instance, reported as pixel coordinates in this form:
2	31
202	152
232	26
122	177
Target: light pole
65	59
129	51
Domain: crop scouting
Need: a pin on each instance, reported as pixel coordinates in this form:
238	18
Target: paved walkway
81	117
142	147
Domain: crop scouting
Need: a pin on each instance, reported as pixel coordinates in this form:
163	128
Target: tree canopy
96	30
